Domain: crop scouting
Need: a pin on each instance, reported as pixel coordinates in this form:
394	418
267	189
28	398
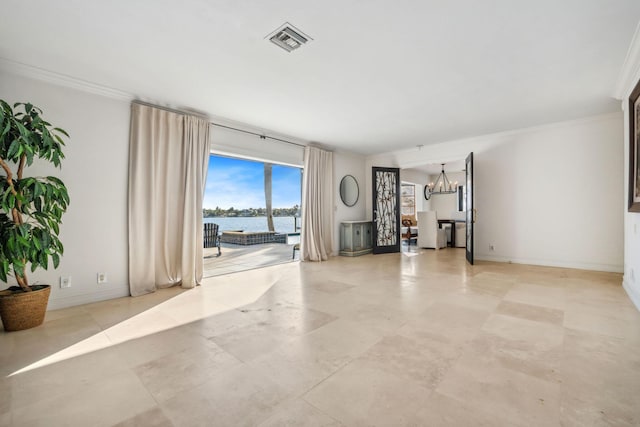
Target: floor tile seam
157	405
535	351
477	408
307	333
597	330
311	405
552	282
494	364
460	353
253	359
301	393
82	308
83	386
113	340
556	369
531	305
622	341
534	303
612	312
426	390
481	410
66	319
347	363
531	322
159	402
544	322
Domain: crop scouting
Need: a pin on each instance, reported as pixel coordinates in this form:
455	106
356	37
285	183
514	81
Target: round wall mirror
349	190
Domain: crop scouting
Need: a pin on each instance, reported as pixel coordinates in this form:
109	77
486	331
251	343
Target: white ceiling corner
630	71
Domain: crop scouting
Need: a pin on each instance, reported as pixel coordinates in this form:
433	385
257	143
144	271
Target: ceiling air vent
288	37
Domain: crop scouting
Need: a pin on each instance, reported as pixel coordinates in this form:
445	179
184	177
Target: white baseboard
72	300
553	263
632	291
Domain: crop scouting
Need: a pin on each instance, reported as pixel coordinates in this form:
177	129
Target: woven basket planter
23	310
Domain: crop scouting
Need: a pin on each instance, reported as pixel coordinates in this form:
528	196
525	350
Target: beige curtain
168	157
316	239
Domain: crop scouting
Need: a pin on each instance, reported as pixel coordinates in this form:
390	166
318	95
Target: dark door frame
470	216
381	249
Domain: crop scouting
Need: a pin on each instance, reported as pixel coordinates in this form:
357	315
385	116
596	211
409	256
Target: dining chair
430	235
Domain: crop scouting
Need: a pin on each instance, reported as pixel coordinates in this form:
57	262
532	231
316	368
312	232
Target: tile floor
411	339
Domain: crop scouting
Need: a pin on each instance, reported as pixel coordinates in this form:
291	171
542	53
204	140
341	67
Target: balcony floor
236	258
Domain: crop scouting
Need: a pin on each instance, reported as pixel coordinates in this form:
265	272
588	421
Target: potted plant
31	211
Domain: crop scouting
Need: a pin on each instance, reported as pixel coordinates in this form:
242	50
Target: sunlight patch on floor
210	299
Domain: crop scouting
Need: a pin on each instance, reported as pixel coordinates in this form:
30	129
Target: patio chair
211	236
296	247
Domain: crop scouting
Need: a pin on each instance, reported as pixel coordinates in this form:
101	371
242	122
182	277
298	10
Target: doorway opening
450	208
256	206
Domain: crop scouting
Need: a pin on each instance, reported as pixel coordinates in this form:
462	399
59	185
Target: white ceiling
435	169
378	76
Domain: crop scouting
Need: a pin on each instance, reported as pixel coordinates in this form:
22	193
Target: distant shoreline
250	212
253	216
282	224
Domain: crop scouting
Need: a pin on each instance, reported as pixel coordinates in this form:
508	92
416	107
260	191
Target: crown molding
630	69
47	76
36	73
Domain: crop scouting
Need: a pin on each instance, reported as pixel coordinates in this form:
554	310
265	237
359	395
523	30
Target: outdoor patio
236	258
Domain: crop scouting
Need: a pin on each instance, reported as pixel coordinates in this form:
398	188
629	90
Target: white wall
548	195
630	75
238	144
421	203
94	230
446	204
345	163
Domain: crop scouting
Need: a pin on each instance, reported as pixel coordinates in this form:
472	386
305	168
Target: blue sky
240	183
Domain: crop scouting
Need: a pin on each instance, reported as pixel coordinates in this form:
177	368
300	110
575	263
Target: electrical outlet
633	275
65	282
102	278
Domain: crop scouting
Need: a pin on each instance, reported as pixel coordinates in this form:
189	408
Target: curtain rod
258	134
186	113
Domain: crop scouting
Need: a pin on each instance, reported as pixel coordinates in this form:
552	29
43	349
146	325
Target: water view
239	193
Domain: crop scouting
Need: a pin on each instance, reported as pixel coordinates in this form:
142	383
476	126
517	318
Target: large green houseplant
31	211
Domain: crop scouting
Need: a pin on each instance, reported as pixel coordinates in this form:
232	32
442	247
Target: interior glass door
386	210
470	217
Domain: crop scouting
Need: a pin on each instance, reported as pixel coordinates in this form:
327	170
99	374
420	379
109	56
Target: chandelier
441	186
